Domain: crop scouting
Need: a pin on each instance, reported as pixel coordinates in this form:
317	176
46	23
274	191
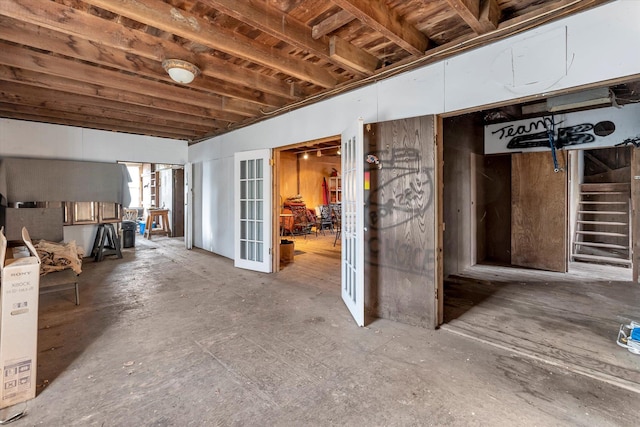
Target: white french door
353	221
252	193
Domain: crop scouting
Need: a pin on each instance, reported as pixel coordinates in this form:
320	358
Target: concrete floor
166	337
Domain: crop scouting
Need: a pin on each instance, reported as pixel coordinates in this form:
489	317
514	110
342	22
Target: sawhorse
106	243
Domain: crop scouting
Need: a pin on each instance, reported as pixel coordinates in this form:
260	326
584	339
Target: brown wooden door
539	212
402	221
177	213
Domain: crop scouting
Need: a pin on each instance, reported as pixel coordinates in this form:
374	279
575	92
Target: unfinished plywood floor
569	320
169	337
316	261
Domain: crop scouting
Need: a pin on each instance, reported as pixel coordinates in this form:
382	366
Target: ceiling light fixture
180	71
319	153
339	152
305	155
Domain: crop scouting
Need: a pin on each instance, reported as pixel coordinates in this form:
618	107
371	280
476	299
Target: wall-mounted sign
583	130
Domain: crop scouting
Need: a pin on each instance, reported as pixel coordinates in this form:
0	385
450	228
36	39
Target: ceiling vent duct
599	97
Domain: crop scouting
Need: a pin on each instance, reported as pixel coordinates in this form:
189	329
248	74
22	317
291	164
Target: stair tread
586	221
604	212
603	258
602	233
606	186
623	205
601	245
600	193
601	202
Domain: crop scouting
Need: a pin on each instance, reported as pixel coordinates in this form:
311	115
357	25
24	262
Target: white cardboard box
19	289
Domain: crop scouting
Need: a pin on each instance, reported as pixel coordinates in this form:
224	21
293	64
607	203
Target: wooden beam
226	109
377	15
344	52
120	111
46	88
332	23
282	26
489	15
112	120
92	125
82	26
481	15
597	161
71	46
189	26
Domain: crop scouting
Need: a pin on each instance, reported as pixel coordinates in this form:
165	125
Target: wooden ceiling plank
375	14
68	103
118	100
278	24
480	15
489	15
64	111
35	61
91	125
344	51
547	13
145	126
332	23
167	18
82	25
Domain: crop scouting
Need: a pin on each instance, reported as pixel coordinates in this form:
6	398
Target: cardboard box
19	289
286	251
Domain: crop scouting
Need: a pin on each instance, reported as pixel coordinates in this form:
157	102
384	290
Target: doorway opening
511	274
157	186
307	211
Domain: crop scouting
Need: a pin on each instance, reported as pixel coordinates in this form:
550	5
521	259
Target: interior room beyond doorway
309	193
568	317
158	186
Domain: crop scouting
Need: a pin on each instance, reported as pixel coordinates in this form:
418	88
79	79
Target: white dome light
180	71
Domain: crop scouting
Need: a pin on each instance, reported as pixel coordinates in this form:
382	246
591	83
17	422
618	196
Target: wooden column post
635	220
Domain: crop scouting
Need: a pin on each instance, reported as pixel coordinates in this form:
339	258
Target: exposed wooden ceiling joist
290	30
181	23
98	63
481	15
332	23
387	22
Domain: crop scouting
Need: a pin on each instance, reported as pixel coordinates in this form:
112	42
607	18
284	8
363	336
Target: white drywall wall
596	45
29	139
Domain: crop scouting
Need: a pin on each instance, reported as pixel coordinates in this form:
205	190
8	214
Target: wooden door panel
539	212
403	221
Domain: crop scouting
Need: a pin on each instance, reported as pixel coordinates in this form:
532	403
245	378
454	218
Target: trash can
129	234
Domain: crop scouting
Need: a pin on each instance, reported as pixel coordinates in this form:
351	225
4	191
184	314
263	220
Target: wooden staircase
603	230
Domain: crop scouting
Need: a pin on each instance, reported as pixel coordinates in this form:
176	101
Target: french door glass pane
243	209
259	213
259	252
259	187
259	171
251	209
